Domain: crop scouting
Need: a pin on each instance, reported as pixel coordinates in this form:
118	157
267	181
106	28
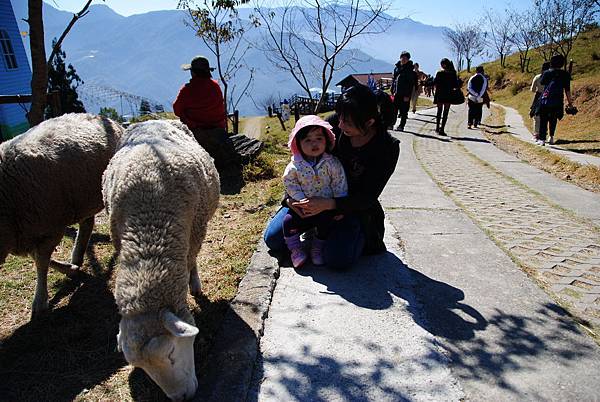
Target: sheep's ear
176	326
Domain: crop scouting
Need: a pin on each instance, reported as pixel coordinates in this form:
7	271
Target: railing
52	98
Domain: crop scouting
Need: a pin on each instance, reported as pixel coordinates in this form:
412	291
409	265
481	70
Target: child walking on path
313	172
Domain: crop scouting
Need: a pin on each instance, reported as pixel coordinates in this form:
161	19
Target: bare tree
217	23
467	41
455	44
501	32
525	37
560	21
306	38
39	74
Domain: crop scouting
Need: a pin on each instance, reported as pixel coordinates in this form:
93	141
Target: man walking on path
404	84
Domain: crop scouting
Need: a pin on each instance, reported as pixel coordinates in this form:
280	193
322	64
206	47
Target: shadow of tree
489	349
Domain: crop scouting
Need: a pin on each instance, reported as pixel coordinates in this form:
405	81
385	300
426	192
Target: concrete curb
233	355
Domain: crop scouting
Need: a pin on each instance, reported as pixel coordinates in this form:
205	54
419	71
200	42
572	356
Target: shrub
517	86
498	79
260	168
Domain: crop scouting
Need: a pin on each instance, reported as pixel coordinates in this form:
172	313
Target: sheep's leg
40	300
84	233
65	268
198	234
195	285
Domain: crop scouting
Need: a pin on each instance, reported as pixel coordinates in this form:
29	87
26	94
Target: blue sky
431	12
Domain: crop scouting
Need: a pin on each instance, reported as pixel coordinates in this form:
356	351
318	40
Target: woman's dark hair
545	66
557	61
359	104
303	133
447	64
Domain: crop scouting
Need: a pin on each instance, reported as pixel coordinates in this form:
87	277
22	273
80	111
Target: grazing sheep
50	177
161	188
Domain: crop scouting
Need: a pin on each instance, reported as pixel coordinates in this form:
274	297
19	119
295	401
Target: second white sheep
161	189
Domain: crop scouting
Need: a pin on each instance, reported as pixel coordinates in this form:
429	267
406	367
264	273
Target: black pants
549	118
293	224
218	144
403	107
475	113
442	113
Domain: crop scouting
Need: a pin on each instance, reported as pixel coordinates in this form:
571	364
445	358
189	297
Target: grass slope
579	133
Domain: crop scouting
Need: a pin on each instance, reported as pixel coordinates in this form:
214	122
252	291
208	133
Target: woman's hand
314	206
291	204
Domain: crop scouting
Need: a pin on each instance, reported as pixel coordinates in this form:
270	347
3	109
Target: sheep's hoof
70	270
39	308
195	289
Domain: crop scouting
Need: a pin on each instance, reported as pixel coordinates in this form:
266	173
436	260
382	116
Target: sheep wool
50	177
161	188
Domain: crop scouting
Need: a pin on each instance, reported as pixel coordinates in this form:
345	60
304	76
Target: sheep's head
163	346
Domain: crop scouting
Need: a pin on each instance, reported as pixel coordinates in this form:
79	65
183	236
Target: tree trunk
39	76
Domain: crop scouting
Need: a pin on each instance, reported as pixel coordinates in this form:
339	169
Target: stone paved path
560	250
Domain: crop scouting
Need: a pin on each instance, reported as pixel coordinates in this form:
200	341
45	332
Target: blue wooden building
15	74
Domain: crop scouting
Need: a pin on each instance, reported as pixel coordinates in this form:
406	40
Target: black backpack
553	92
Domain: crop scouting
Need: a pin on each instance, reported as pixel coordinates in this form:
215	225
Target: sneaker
400	128
551	142
469	127
299	257
541	142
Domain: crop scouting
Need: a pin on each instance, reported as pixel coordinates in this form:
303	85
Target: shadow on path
512	344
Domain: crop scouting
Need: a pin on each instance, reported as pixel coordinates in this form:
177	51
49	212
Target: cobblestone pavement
556	247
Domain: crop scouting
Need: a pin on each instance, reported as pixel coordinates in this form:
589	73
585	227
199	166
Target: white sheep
50	177
160	189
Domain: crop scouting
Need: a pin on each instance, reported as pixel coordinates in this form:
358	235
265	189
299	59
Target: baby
313	172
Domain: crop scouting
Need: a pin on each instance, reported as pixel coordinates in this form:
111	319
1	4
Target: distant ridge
141	54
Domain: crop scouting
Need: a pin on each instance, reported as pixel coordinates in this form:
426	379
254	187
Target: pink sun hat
310	120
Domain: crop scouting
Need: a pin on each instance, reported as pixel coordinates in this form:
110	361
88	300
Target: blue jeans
343	246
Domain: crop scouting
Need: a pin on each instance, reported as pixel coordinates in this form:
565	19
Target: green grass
510	87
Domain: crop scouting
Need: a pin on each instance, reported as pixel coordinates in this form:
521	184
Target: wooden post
236	121
281	121
296	112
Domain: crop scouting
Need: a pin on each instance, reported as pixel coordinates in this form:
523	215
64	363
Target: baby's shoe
316	251
298	255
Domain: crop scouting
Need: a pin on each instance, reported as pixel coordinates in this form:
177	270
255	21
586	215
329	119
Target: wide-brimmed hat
305	121
199	63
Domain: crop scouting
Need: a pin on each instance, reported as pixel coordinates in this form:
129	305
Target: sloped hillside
580	133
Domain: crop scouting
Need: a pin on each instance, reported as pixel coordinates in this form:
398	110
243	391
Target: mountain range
141	55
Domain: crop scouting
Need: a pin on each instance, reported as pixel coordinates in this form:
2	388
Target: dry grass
580	133
70	353
585	176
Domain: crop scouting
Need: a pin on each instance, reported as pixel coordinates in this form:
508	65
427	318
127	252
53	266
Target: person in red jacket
199	103
200	106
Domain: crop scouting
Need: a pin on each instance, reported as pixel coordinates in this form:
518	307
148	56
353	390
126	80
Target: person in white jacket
476	88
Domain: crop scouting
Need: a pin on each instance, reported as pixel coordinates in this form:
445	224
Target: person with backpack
556	81
538	90
404	85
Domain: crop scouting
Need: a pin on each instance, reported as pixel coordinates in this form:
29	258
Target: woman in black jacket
445	82
369	155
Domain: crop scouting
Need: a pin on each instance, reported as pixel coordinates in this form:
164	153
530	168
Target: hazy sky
431	12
